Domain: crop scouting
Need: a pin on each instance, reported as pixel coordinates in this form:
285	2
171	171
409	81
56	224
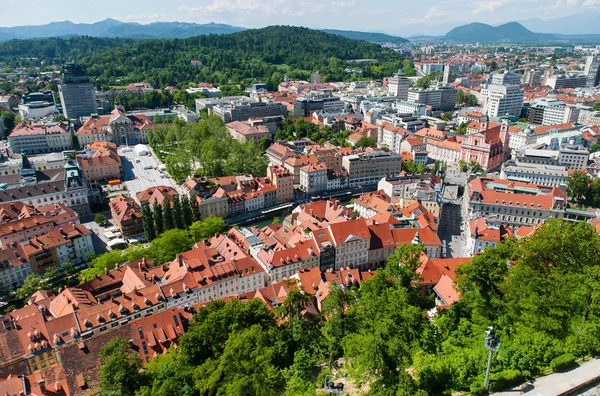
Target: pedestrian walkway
560	384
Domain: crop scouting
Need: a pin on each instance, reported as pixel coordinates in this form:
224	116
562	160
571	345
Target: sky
391	16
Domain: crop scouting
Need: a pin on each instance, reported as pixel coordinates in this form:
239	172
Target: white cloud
255	12
144	18
434	13
488	6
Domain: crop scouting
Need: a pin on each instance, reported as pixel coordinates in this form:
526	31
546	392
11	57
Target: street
451	229
136	177
556	384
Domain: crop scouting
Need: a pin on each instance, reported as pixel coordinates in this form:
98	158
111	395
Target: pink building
488	146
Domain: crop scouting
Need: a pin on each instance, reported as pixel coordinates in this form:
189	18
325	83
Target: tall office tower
316	78
592	71
506	78
77	93
398	86
502	95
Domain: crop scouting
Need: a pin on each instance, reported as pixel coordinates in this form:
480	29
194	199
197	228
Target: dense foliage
56	50
300	128
265	54
541	294
583	190
205	148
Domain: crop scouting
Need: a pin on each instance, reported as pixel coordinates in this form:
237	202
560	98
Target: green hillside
57	50
233	58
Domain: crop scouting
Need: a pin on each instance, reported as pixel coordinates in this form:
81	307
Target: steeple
73	176
416	240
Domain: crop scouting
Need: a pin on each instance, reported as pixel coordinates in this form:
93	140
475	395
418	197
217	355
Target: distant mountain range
369	37
114	28
583	26
512	32
585	23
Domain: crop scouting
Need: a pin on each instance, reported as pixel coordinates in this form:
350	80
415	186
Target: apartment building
313	178
389	136
412	108
350	239
448	151
40	138
484	233
127	215
71	243
242	111
247	133
283	181
319	103
560	81
67	185
547	175
502	95
369	167
100	162
592	71
441	98
551	112
398	86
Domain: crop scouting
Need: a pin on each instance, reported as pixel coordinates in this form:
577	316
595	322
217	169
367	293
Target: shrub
562	363
477	389
505	379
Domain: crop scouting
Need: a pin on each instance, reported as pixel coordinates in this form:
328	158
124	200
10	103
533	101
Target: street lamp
491	342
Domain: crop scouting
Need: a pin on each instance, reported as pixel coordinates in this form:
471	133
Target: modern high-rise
440	98
551	112
560	81
316	78
592	71
506	78
532	77
317	102
398	86
502	95
77	93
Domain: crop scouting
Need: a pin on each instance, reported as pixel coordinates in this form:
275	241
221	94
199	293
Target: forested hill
264	54
57	50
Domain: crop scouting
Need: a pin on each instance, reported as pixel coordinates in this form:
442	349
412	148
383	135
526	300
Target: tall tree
207	228
168	219
31	284
178	220
119	369
148	222
578	185
157	211
195	208
186	210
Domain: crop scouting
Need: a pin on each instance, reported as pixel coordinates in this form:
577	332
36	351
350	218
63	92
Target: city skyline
428	17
